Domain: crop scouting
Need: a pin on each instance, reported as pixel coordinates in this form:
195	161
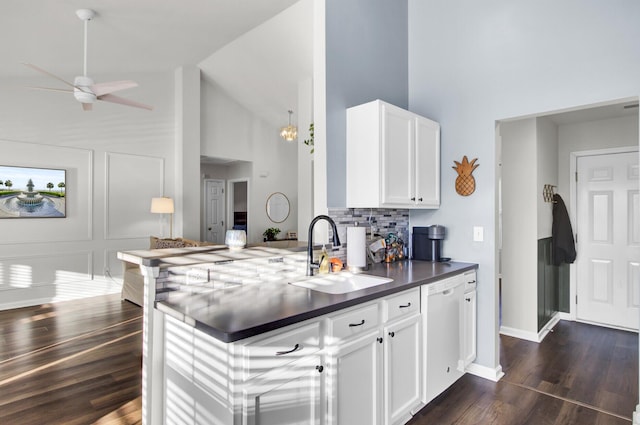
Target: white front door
608	261
214	211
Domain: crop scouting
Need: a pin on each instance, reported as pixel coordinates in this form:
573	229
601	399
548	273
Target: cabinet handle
351	325
392	334
468	300
319	368
472	281
413	199
405	305
379	340
296	348
420	199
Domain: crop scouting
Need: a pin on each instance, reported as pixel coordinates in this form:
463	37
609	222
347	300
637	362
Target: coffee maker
427	242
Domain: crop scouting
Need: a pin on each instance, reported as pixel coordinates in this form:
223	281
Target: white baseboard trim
548	327
567	317
485	372
531	336
519	333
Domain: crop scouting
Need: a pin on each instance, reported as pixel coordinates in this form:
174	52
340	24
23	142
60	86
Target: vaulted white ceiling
140	36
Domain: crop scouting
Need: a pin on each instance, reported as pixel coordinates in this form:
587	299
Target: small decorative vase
235	239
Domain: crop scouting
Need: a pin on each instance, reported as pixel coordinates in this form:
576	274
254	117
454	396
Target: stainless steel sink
341	283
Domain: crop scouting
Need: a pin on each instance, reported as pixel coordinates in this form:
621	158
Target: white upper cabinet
393	158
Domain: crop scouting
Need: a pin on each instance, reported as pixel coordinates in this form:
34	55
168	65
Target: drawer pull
296	348
405	305
351	325
392	334
379	340
471	281
468	300
320	368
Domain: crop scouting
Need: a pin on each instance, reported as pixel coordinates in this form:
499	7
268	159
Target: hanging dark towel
563	247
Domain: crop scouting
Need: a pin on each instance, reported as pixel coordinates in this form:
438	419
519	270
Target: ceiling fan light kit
85	90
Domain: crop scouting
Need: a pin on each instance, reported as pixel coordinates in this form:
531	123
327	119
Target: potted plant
270	233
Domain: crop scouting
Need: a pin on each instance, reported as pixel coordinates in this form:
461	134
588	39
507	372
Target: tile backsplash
378	221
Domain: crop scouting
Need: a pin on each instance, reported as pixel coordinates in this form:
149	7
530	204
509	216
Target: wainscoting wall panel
131	181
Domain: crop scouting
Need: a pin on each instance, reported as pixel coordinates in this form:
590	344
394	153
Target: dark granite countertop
247	310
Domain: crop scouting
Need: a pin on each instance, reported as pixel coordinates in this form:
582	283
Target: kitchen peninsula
229	340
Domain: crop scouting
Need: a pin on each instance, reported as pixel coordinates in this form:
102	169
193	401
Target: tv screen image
32	192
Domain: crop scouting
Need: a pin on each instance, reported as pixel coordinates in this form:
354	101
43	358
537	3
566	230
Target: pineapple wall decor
465	183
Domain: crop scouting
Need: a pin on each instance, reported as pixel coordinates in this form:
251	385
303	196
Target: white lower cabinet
354	377
469	319
374	376
402	369
290	394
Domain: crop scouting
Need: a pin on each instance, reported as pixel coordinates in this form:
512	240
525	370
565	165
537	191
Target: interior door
608	262
214	211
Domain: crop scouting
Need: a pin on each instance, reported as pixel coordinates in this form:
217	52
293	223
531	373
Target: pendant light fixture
290	132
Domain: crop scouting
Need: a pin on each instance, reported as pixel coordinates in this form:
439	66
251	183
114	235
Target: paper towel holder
361	265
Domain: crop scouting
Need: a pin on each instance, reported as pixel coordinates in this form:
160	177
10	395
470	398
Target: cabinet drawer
353	322
469	281
281	348
402	304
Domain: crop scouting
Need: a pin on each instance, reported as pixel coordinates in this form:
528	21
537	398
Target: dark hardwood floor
74	362
580	374
79	362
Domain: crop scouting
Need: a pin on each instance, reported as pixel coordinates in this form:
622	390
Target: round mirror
277	207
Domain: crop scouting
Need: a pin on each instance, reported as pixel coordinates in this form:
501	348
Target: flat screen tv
32	192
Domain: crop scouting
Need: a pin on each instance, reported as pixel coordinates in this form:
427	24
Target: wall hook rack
548	192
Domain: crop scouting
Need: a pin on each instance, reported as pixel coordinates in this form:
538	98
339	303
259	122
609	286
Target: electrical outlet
478	233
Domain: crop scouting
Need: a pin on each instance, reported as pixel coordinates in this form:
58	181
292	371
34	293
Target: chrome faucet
336	242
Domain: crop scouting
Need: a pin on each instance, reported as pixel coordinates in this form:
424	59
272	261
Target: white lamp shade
162	205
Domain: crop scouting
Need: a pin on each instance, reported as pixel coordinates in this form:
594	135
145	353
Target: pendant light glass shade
290	132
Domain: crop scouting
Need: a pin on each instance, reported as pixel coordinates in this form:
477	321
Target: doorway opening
239	204
532	152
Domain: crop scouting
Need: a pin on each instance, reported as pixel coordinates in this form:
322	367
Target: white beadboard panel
78	163
131	181
29	271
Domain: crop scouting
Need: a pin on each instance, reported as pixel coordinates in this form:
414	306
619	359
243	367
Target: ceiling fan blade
87	106
112	86
42	71
121	100
51	89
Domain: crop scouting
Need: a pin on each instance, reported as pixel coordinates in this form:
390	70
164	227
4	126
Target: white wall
546	172
117	157
230	131
519	218
474	63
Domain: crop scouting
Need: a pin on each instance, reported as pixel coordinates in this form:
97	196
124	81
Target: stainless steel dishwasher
442	316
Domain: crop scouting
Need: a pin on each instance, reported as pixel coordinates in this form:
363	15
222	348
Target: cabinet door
286	395
427	163
402	369
355	382
469	328
397	152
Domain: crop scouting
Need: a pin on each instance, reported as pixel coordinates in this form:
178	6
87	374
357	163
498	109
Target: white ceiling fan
84	89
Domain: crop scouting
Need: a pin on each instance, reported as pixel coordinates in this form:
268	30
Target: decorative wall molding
128	195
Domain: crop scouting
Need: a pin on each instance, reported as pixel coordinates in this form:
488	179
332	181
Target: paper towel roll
356	250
